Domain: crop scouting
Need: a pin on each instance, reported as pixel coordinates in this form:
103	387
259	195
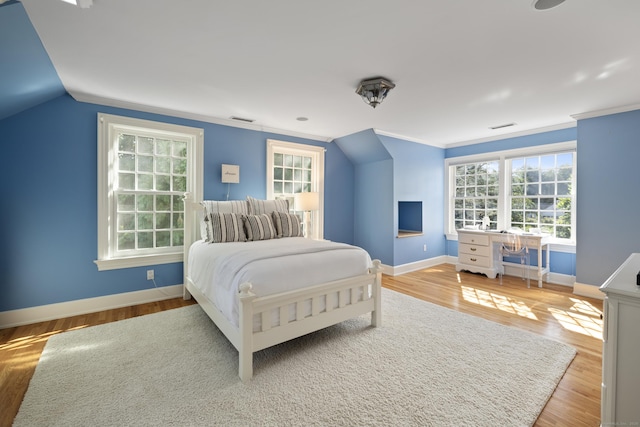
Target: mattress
271	266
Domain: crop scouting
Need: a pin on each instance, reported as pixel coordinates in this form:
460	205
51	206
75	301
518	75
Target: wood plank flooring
552	311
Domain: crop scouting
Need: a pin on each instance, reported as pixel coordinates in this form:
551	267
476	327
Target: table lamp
307	202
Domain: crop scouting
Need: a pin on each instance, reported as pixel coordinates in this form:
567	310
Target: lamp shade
309	201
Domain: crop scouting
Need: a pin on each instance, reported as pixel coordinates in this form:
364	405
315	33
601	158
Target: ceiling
460	66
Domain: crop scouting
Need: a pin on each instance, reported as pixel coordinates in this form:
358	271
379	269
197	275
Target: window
295	168
144	170
541	193
476	193
525	188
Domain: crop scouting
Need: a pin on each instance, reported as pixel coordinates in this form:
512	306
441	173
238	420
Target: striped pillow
287	225
259	227
225	227
215	206
257	207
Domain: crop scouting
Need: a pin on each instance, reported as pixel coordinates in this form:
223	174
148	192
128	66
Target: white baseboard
515	270
48	312
414	266
588	291
555	278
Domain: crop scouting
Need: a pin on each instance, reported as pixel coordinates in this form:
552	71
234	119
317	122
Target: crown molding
559	126
109	102
605	112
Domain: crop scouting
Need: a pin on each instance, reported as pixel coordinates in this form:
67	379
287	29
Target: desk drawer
469	259
473	238
474	249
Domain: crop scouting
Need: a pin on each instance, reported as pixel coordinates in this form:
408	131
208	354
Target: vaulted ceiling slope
460	66
27	77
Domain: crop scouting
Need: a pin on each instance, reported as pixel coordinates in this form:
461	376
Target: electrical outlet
150	275
424	248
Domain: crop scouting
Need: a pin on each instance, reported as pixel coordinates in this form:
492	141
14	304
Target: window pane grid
149	220
151	179
476	194
291	174
541	195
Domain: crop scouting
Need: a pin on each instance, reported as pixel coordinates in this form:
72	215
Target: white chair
512	247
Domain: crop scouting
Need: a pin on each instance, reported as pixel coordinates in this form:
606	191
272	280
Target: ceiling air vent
502	126
242	119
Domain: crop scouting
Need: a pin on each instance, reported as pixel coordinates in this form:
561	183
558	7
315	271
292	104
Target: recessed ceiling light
546	4
302	119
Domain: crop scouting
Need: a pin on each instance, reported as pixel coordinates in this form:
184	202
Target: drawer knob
473	259
473	249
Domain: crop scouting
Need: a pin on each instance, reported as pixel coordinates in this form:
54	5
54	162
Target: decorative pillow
287	225
215	206
225	227
259	227
257	207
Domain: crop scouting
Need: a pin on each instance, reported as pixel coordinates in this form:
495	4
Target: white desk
478	252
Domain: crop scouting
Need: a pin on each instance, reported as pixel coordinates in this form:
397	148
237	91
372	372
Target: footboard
330	303
284	316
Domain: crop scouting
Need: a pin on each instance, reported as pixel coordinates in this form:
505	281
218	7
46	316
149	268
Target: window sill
138	261
405	233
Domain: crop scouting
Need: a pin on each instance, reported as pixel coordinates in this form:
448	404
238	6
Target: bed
262	284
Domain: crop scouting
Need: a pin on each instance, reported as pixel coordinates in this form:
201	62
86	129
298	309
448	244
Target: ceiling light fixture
374	91
546	4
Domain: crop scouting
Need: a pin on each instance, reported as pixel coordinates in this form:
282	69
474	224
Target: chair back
514	244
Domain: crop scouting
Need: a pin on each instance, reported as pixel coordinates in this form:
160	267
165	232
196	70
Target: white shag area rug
425	366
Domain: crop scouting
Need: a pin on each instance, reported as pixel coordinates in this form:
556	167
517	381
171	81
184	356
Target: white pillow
257	207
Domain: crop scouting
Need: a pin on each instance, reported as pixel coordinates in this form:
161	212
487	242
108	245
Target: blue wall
562	135
49	200
374	208
49	197
389	170
418	174
608	194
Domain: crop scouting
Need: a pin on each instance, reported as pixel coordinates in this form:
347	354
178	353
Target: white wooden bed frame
246	341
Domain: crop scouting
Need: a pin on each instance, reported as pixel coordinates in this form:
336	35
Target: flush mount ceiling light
546	4
374	91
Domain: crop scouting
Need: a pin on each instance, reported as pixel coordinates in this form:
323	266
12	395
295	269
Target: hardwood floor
552	311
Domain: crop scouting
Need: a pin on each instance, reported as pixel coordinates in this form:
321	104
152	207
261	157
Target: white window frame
504	192
317	175
108	128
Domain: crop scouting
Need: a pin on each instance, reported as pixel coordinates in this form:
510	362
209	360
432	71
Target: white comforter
271	266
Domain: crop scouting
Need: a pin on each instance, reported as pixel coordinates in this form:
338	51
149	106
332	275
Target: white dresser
477	254
621	348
